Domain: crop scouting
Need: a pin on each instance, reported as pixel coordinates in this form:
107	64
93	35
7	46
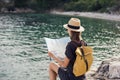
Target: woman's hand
50	54
62	63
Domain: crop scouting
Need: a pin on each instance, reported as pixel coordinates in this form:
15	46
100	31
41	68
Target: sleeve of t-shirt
69	51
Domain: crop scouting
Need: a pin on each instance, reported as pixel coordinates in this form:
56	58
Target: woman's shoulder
70	44
78	43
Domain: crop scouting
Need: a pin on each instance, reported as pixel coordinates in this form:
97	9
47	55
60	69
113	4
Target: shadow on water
23	50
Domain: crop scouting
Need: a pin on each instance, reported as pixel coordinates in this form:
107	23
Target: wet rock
108	70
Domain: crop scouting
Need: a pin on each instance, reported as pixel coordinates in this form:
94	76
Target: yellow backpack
84	59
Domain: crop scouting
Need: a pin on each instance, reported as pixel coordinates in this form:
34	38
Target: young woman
65	68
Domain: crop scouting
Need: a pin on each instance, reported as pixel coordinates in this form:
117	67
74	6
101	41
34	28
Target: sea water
23	51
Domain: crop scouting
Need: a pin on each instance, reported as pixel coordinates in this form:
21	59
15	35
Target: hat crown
74	22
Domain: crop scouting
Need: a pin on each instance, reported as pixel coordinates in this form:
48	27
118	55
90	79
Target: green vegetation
69	5
39	5
91	5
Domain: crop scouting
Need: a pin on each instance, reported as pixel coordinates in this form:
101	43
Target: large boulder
108	70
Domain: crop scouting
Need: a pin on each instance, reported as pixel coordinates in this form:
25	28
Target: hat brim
76	30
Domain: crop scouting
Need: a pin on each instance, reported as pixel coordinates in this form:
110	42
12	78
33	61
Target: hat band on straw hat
73	27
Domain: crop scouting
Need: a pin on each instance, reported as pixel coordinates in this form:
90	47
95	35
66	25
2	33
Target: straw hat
74	25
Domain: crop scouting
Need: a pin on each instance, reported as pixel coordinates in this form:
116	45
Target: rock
24	10
16	10
89	75
3	10
108	70
114	70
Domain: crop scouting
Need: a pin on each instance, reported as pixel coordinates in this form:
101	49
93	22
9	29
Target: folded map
57	46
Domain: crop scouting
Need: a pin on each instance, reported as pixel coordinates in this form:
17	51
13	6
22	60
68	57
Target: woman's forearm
62	63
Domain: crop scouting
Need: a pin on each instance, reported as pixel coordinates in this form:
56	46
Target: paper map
57	46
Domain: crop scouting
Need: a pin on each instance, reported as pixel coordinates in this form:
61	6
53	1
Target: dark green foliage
21	3
90	5
69	5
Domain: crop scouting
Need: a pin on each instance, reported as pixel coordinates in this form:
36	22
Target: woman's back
70	53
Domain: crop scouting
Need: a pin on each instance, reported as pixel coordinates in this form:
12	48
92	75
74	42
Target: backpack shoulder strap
76	44
85	60
83	43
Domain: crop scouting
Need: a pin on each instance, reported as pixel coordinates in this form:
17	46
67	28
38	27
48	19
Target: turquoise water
23	52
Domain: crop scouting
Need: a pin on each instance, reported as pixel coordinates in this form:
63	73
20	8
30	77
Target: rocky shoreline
105	16
17	10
